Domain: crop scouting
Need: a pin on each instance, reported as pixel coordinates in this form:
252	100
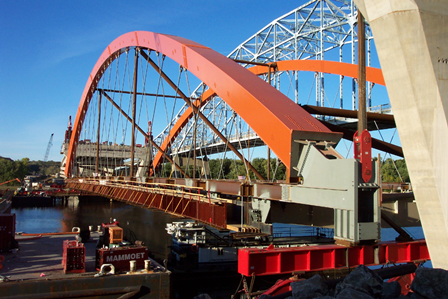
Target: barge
202	249
41	268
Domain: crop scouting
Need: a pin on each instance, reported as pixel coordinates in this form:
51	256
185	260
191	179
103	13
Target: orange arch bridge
277	120
273	116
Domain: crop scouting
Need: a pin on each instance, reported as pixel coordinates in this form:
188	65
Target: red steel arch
273	116
373	75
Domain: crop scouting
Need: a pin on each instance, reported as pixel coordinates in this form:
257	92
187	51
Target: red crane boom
16	179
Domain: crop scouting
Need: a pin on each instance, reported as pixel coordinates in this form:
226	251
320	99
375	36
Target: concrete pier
411	37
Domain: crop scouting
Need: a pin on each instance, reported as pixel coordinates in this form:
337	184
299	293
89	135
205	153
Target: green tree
10	169
22	168
389	171
6	170
237	168
214	166
232	168
280	174
403	170
260	165
219	168
166	170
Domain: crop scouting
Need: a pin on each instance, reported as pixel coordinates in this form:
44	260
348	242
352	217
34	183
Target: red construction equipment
73	257
68	132
121	256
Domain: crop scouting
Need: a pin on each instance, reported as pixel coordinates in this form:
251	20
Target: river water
146	225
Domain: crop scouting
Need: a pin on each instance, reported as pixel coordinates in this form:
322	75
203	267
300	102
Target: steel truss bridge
157	108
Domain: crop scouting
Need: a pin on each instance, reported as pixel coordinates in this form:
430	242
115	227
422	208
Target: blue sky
48	49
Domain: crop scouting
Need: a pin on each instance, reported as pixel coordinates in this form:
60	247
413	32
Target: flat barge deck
36	271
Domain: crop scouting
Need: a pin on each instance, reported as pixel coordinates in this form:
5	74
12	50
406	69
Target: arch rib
272	115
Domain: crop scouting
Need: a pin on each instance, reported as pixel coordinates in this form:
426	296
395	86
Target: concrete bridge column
411	37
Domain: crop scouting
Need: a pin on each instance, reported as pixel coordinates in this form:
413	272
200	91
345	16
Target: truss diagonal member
143	132
305	22
200	114
388	118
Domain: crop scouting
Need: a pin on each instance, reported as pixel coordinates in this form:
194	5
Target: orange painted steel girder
273	116
373	75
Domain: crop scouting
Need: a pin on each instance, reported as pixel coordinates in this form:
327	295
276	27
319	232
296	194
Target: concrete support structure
411	37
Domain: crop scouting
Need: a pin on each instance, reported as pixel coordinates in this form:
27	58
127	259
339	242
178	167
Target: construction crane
50	143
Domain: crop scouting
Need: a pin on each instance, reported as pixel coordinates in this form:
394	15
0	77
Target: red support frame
327	257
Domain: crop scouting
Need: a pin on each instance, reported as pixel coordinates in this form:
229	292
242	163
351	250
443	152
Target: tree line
231	169
11	169
391	170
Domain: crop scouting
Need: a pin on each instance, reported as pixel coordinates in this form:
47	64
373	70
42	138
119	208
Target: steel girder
182	202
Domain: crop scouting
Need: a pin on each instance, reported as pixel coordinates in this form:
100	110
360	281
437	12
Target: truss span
272	115
316	30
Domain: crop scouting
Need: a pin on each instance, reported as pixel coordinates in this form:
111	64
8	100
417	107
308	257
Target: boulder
391	290
431	283
349	293
362	279
313	287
